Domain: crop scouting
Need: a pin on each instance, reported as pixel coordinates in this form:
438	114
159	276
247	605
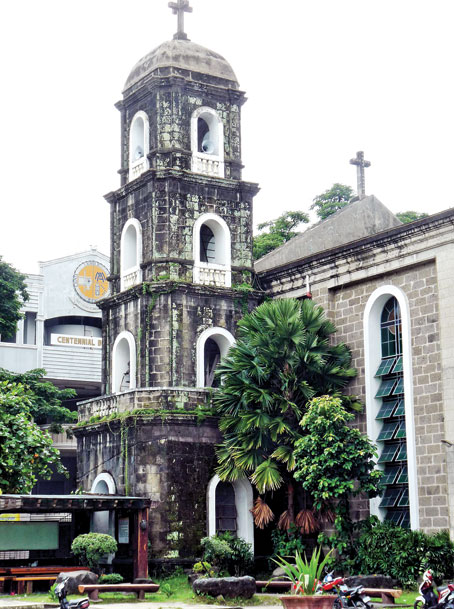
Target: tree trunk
291	502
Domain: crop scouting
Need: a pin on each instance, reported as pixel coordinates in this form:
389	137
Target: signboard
9	517
90	281
123	530
28	536
65	340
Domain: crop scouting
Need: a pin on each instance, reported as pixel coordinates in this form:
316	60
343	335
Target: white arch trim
243	503
132	275
224	340
218	273
211	164
138	166
108	480
372	350
116	379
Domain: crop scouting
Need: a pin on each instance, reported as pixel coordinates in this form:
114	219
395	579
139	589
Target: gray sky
324	79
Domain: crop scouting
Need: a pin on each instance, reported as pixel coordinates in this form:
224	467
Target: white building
61	332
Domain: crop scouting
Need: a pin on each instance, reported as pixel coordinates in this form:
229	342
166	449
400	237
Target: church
182	275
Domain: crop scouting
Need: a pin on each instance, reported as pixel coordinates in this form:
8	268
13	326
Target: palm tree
282	359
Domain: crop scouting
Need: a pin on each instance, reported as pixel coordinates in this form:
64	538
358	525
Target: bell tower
181	278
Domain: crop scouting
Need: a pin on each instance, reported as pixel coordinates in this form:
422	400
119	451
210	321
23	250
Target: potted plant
304	576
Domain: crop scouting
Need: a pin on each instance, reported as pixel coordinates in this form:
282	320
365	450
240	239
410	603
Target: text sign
92	342
123	530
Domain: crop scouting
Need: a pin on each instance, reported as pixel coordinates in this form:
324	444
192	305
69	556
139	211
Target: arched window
212	251
124	363
389	402
212	345
207	142
131	254
138	145
103	521
225	508
229	508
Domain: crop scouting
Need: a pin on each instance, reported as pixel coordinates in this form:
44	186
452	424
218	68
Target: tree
13	294
90	548
280	230
282	359
26	451
330	201
333	460
44	398
410	216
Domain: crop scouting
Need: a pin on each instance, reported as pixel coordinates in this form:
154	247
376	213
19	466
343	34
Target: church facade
182	276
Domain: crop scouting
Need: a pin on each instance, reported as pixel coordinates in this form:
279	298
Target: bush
401	553
228	554
287	543
111	578
204	569
91	547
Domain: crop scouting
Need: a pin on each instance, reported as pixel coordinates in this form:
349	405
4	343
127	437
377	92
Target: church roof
182	54
357	220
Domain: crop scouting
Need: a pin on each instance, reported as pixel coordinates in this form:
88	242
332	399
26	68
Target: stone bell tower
181	278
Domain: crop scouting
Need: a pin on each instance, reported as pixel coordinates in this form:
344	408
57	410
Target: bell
207	144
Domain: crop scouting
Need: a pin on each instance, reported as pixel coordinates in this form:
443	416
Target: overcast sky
324	79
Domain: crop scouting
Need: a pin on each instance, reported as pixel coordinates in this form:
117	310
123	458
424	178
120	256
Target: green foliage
204	569
45	397
283	357
26	451
13	293
333	199
279	231
303	573
111	578
287	543
52	596
410	216
401	553
91	547
333	460
228	554
166	589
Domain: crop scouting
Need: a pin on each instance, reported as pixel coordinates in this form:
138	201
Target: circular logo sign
90	281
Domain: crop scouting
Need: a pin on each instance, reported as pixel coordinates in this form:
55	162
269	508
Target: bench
25	584
387	594
275	585
139	589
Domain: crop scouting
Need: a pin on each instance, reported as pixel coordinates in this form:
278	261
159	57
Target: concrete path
14	603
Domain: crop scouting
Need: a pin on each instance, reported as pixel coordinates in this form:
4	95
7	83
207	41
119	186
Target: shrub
91	547
228	554
401	553
287	543
111	578
204	569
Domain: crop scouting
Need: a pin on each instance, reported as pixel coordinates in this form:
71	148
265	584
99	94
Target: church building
182	276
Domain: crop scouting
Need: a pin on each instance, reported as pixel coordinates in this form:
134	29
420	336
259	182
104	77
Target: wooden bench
25	584
275	585
139	589
387	594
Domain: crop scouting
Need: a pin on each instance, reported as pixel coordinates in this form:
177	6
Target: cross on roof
360	166
180	8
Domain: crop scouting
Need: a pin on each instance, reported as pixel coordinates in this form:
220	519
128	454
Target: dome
182	54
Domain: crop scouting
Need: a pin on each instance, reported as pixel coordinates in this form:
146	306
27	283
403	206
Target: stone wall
342	282
169	459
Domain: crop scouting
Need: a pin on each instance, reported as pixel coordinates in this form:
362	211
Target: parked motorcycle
346	597
441	598
61	593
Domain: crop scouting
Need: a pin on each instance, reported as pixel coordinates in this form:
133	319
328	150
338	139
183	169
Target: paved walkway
15	603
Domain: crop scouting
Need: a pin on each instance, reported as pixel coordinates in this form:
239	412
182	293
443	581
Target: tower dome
176	55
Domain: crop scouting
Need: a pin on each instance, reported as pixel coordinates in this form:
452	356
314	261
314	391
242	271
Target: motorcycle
61	593
443	598
346	597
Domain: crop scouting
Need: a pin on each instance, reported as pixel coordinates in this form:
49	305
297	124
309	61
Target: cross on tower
180	8
360	166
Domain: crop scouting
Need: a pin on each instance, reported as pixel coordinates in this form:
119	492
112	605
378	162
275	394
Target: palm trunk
291	502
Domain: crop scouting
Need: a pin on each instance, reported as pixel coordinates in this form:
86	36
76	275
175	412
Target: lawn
175	588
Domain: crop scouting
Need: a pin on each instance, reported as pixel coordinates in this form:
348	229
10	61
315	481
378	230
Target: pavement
14	603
